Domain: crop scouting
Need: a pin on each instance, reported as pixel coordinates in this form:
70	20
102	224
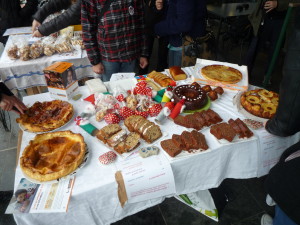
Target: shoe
266	220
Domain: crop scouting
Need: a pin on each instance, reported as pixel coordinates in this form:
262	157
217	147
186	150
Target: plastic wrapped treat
36	50
24	52
77	41
13	52
63	44
48	44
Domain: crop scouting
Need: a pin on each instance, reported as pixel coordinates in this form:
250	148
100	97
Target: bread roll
177	73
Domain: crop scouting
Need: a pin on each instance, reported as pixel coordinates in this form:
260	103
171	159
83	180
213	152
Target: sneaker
266	220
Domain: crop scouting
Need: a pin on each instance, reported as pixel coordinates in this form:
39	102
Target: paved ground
246	197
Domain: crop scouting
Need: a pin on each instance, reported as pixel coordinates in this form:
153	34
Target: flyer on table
41	198
147	178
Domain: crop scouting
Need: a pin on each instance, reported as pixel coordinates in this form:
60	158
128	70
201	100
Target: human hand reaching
98	69
35	25
270	5
143	62
37	34
8	102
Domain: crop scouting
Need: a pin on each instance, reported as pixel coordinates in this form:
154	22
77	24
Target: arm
51	7
70	17
179	21
89	24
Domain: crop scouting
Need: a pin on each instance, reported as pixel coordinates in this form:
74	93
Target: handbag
199	47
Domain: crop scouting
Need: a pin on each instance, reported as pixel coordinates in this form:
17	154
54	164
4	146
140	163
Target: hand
270	5
98	69
143	62
8	102
35	25
37	34
159	4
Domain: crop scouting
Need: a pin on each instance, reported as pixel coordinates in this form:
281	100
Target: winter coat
287	118
183	18
283	184
20	17
259	13
70	17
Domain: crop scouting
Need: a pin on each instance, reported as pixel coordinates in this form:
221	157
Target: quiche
260	102
50	156
221	73
46	116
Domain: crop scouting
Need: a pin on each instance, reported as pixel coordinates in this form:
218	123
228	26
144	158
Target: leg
162	58
175	57
109	69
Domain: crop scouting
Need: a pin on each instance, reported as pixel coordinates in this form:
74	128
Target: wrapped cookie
49	46
13	52
36	50
24	52
63	44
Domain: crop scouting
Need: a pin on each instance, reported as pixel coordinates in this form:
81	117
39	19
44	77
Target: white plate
56	129
62	178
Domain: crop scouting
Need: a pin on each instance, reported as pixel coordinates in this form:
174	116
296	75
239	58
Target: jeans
175	57
116	67
281	218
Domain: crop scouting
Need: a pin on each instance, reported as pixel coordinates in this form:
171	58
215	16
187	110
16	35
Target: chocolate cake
195	97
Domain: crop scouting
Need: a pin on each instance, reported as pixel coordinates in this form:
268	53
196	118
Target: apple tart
46	116
260	102
50	156
221	73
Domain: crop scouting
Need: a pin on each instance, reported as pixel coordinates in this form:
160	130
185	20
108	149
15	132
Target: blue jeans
281	218
116	67
175	57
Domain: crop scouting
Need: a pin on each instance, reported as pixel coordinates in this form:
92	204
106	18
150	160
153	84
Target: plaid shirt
118	36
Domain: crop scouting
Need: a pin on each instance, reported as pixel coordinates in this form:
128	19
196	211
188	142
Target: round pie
260	102
46	116
221	73
50	156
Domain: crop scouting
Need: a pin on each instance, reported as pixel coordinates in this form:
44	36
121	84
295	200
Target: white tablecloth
25	74
94	199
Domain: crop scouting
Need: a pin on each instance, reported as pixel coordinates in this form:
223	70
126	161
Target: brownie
170	148
189	142
200	140
178	141
246	131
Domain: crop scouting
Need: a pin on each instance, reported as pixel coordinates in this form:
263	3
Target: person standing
114	38
13	15
183	18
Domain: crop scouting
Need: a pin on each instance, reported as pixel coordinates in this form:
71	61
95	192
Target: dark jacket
152	16
259	13
287	118
70	17
283	184
183	17
12	15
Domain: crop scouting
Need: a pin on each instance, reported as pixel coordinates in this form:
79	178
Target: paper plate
86	156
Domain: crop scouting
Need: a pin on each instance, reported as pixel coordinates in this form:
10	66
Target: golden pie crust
46	116
221	73
260	102
50	156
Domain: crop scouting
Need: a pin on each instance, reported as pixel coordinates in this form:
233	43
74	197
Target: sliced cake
107	131
200	140
170	148
177	140
116	138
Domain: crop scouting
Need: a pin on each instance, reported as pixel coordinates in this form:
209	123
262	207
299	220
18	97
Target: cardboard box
61	80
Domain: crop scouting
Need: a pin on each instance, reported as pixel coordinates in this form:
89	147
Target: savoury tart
50	156
46	116
260	102
221	73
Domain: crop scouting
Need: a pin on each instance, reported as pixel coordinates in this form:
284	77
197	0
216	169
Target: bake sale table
18	74
94	198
